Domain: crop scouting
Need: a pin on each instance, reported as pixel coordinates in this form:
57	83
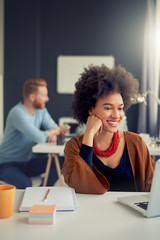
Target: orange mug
7	195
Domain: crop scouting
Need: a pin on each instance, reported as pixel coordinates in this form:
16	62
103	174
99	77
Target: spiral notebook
64	198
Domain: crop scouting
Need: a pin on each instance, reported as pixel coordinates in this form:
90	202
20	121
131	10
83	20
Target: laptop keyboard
143	205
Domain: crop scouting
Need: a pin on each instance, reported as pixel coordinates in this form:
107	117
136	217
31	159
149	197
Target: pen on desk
45	198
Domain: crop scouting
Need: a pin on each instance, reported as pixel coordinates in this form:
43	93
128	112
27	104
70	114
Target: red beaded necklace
111	150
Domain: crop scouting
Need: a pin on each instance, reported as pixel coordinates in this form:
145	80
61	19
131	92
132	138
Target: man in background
27	123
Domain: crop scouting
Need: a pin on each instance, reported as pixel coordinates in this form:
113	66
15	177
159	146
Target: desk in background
153	145
53	151
97	217
154	151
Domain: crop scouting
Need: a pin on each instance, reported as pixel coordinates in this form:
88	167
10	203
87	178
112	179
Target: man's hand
52	138
54	131
53	134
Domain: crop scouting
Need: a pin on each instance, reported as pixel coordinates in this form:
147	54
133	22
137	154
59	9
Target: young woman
105	158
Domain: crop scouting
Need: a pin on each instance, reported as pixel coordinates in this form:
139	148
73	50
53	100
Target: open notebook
146	204
63	197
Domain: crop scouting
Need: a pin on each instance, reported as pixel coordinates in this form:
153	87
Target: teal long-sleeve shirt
22	131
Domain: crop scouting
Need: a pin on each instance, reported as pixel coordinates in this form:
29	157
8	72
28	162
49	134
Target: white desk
153	148
154	151
53	150
98	217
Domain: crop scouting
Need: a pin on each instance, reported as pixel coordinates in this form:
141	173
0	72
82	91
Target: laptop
147	205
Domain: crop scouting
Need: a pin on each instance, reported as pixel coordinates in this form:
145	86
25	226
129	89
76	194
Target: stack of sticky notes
42	214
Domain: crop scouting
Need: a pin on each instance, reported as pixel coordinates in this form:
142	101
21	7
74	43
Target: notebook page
63	197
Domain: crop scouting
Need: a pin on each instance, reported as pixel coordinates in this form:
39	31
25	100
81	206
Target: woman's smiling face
110	110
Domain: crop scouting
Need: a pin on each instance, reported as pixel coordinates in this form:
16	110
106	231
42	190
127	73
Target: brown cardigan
83	179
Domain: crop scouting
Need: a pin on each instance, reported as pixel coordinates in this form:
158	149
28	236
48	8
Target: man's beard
38	105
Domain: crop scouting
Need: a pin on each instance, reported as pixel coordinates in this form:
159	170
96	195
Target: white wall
69	69
1	65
